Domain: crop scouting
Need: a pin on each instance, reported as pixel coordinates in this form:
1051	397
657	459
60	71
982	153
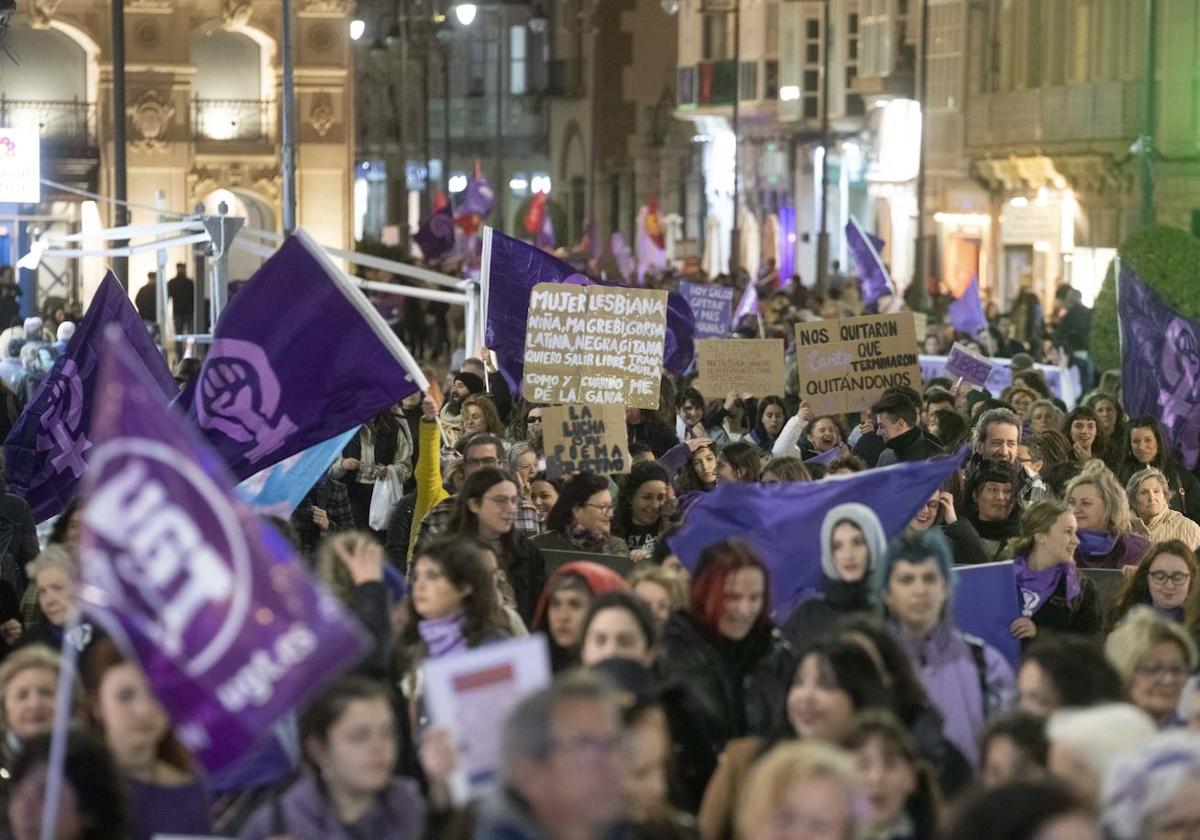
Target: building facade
203	86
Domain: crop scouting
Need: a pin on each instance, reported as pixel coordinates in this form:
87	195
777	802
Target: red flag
654	224
535	216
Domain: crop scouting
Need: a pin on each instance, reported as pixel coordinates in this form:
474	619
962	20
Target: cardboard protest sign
845	364
711	307
971	367
746	365
585	438
594	344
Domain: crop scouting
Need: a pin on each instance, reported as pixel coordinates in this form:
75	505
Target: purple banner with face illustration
515	267
1160	363
215	606
782	521
300	356
50	443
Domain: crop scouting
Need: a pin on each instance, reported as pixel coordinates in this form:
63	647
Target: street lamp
357	28
465	13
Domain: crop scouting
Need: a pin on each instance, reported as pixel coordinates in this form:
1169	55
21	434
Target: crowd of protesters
681	707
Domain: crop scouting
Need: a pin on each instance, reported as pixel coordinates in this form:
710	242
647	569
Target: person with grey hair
55	573
997	435
563	774
1153	792
1150	496
1084	743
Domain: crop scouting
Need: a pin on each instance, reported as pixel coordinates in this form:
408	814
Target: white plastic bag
384	497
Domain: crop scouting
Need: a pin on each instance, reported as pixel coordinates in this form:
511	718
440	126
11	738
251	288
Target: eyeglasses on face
1158	671
1175	578
606	509
503	501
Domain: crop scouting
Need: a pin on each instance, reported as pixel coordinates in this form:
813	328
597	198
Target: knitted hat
865	519
473	381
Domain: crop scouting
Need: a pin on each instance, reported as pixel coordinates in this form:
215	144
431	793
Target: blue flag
1160	363
229	629
986	603
966	313
49	445
278	490
874	281
299	356
436	234
783	521
515	267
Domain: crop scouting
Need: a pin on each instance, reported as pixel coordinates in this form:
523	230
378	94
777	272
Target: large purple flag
966	313
515	267
299	356
50	443
436	234
874	281
1160	363
622	255
224	620
782	521
748	305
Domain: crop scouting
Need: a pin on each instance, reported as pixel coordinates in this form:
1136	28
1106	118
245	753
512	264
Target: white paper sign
20	166
471	695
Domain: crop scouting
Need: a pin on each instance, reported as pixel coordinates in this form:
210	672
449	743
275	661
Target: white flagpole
61	730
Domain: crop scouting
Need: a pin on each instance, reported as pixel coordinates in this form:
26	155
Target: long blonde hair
792	762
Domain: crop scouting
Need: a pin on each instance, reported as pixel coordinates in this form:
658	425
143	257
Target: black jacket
1081	617
527	573
964	541
818	616
913	445
731	690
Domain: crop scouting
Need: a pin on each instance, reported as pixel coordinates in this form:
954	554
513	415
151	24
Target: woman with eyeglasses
940	511
486	508
1154	656
1164	580
581	519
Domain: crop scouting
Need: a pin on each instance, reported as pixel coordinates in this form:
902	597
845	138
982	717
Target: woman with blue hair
967	679
852	543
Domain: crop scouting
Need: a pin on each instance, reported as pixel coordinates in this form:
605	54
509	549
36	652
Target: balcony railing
63	123
475	117
247	120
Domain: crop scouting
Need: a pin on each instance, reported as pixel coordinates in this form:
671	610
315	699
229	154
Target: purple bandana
1037	586
1096	543
443	635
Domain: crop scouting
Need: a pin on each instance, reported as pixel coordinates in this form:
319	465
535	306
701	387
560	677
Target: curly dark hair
639	474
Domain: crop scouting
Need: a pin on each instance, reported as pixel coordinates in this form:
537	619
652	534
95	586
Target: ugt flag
966	313
782	522
224	620
874	281
48	447
1160	363
514	267
299	356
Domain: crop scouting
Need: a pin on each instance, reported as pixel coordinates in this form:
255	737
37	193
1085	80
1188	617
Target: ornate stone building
203	83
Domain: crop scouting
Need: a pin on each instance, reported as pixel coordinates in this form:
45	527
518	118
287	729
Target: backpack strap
977	646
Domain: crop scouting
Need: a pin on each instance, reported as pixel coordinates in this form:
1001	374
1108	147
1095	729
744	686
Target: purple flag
874	281
748	305
50	443
477	199
299	356
966	313
224	620
1160	363
545	236
986	603
828	456
436	234
515	267
782	521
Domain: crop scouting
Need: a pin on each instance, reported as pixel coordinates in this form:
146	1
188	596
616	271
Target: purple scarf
443	635
1096	543
1037	586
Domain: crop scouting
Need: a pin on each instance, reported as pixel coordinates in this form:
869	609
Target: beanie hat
865	520
474	382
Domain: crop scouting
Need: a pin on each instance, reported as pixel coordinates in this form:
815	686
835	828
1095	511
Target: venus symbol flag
227	625
299	356
49	445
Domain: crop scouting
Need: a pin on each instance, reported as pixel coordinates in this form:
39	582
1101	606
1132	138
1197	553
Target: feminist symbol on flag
238	396
60	425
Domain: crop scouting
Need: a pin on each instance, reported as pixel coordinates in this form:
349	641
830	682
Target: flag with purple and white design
49	445
229	629
299	356
748	305
874	280
436	234
1160	363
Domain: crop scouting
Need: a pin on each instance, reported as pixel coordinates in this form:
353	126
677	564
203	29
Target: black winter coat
819	615
1081	617
730	690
